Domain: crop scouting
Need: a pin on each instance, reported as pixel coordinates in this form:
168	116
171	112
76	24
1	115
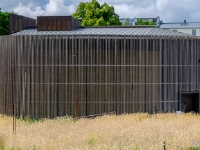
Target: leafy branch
4	23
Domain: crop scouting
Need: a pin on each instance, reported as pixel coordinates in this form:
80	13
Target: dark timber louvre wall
18	22
57	23
126	74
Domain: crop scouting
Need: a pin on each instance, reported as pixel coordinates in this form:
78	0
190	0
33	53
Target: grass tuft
92	140
29	120
1	143
193	148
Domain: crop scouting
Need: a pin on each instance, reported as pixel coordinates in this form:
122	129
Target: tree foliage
4	23
94	14
145	22
125	23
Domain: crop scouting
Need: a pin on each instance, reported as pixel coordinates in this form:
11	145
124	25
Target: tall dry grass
133	131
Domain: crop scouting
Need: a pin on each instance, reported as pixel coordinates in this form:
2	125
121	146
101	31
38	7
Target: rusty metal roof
106	31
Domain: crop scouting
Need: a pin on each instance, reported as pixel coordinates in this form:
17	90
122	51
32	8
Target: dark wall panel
57	23
17	23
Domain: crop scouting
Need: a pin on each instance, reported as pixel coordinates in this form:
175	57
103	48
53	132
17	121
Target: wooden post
76	107
164	145
14	118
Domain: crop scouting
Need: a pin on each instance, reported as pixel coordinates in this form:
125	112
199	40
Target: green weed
29	120
194	148
2	143
92	140
136	148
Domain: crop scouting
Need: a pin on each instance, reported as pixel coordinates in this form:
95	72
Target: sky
167	10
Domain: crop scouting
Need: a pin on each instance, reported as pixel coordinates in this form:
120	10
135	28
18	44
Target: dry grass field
131	131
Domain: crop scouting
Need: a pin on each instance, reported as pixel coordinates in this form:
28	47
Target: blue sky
168	10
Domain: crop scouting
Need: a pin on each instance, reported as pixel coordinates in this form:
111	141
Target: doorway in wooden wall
189	102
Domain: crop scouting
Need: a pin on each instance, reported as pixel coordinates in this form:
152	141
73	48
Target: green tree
4	23
94	14
145	22
12	12
126	22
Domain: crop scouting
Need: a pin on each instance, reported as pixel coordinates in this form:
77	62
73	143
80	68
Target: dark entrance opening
189	102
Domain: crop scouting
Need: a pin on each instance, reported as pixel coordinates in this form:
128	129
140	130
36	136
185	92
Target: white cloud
57	7
196	16
171	10
125	10
117	2
168	10
29	10
53	7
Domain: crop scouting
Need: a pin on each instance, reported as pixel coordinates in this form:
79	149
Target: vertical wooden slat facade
18	22
43	75
57	23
